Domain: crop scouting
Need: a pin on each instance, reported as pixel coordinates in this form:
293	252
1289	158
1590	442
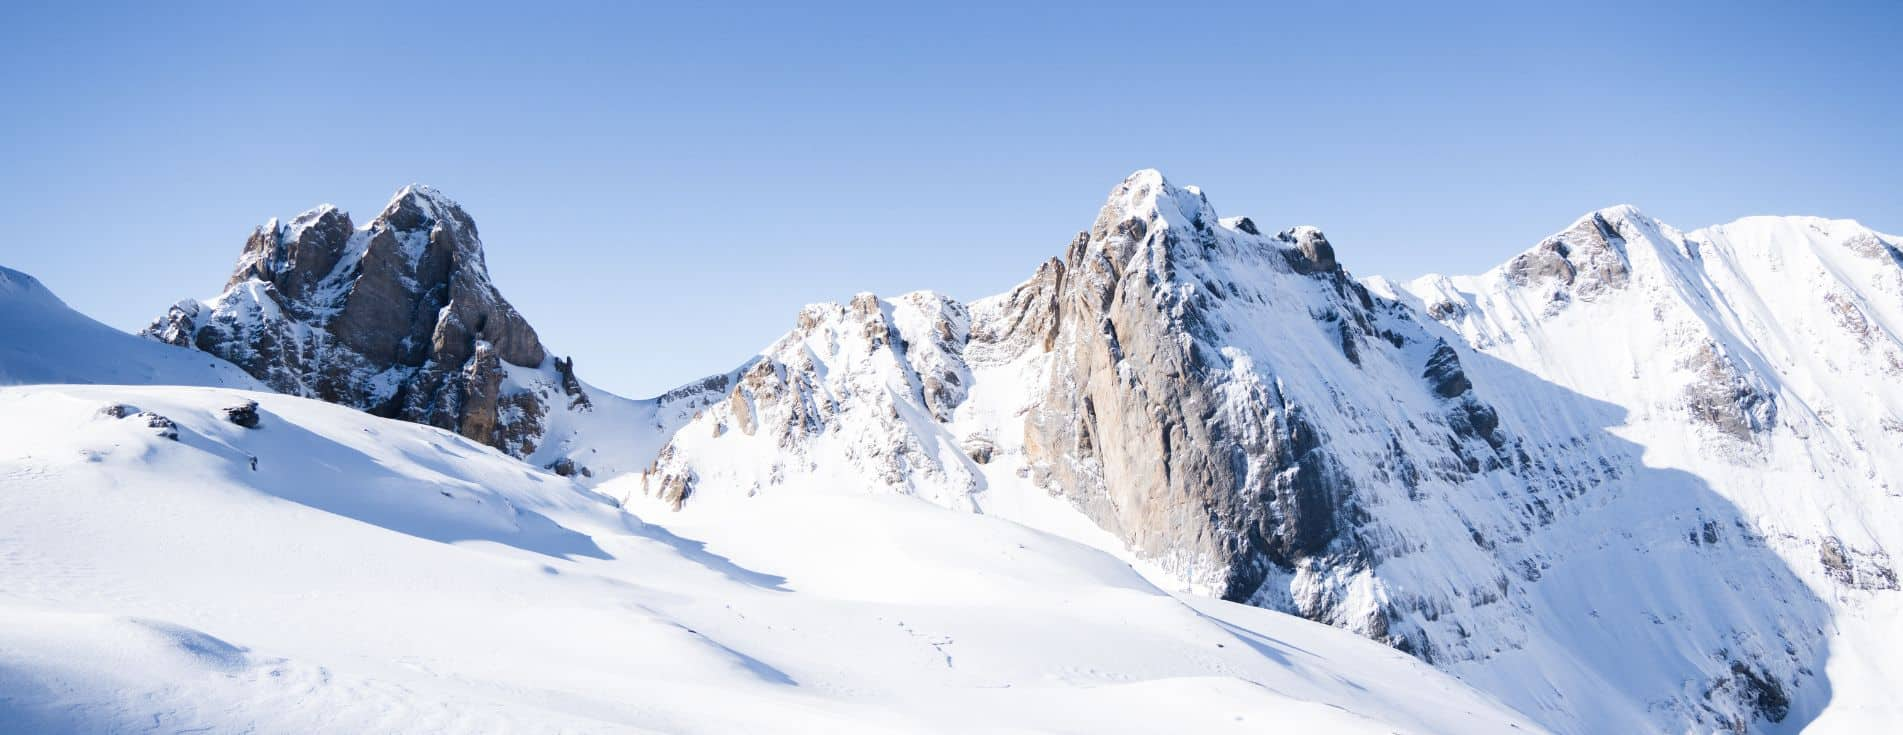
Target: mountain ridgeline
1617	464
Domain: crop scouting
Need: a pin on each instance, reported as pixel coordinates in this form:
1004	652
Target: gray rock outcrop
398	318
244	414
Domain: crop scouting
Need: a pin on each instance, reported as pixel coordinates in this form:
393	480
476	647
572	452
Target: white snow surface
1800	316
42	340
377	576
163	569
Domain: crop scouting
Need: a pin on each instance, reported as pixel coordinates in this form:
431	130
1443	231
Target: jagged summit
1146	195
418	206
1618	212
397	317
1148	220
1598	253
423	193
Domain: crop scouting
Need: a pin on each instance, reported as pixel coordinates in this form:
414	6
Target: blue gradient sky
660	188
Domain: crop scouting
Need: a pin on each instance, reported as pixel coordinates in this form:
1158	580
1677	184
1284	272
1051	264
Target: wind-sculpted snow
1237	415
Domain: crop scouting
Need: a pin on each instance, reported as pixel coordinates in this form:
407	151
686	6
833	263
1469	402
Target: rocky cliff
397	317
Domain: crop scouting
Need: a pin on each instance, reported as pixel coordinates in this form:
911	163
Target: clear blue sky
660	188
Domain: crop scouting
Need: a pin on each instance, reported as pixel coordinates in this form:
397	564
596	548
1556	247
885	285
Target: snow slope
329	570
1761	357
611	435
45	341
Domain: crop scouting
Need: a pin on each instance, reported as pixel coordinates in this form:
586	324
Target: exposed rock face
244	414
571	386
160	425
398	318
853	397
1140	419
567	467
1317	256
1444	373
1856	568
1726	398
1584	261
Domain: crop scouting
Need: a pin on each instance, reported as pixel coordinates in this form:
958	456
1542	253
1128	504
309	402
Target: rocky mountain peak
1588	258
397	317
1621	213
1317	254
1147	204
296	255
1147	224
1149	192
420	207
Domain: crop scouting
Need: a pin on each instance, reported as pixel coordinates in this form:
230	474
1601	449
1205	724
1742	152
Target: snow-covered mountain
1232	411
221	559
1632	480
1761	357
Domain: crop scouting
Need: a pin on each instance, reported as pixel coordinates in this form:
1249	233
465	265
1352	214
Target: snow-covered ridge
1760	356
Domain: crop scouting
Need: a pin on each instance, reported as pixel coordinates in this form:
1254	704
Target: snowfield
376	576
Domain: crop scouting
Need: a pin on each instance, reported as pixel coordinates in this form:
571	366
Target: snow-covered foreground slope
329	570
42	340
